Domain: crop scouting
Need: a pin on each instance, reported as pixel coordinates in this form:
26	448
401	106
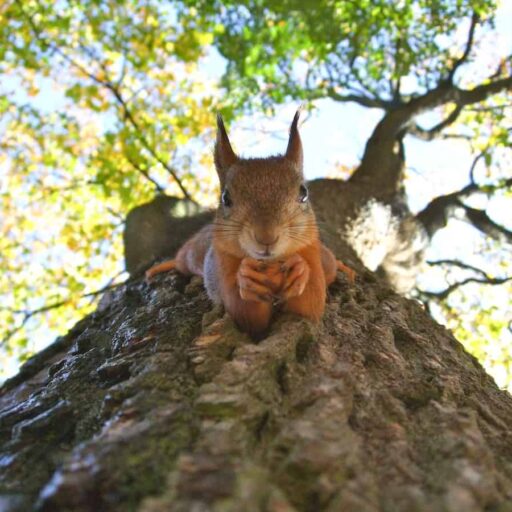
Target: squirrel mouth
264	254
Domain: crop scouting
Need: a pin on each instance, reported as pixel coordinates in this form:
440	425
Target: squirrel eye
226	199
303	193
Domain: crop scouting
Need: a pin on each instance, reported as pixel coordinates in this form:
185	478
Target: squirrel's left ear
223	154
294	149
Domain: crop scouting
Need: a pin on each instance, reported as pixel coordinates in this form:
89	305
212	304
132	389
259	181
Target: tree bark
156	402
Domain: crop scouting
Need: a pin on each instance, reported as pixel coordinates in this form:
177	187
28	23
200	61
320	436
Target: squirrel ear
294	149
224	156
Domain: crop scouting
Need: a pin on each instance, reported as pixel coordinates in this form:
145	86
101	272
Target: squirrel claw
297	277
249	275
252	286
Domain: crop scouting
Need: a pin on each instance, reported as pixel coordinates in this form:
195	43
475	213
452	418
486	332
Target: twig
365	101
444	293
467	50
28	314
473	165
460	264
435	131
483	278
138	168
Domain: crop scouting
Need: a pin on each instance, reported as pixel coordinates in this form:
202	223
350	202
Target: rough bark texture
157	403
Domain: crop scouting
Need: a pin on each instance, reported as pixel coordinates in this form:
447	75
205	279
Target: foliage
102	103
282	49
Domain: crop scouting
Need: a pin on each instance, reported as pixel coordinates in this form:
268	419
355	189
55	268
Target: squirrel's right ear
294	149
224	156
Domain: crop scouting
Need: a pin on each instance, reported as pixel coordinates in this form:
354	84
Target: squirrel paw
165	266
258	281
297	276
351	274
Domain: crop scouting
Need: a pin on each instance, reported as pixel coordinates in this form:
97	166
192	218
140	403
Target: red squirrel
263	246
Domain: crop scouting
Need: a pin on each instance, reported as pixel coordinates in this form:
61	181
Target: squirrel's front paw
258	281
297	273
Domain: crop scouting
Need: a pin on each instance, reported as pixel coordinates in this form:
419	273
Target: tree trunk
157	403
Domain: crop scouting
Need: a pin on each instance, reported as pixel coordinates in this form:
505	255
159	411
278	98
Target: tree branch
442	295
446	93
494	108
483	278
480	220
400	118
378	163
435	215
146	174
467	51
460	264
365	101
434	132
479	93
474	164
142	138
28	314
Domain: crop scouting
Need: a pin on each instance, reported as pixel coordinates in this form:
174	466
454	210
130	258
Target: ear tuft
294	150
224	156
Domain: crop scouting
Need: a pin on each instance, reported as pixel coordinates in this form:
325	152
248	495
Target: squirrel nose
267	239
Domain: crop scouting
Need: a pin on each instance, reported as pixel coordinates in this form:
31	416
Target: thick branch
379	163
481	92
480	220
435	215
444	93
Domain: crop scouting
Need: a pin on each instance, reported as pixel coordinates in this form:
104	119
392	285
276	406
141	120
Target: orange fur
254	316
263	244
351	275
190	258
251	316
328	264
165	266
310	304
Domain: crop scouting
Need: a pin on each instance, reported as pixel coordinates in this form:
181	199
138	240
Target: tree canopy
99	102
105	103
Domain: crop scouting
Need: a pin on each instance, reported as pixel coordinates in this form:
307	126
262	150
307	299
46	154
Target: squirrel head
264	209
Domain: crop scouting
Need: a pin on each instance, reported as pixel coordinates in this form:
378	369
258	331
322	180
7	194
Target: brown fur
261	220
